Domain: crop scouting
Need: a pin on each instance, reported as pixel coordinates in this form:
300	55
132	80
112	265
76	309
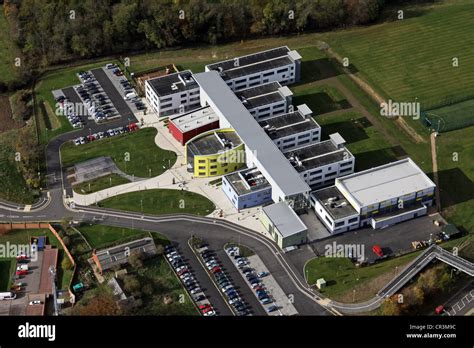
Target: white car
77	142
209	314
35	302
195	291
237	299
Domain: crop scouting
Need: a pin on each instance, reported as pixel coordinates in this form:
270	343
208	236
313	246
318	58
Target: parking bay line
210	277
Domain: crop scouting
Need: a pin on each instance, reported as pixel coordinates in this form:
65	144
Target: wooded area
51	31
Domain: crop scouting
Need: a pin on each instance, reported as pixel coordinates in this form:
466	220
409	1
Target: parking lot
232	288
261	283
196	281
392	240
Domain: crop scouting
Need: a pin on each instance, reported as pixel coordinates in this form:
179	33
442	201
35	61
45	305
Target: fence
66	250
5	227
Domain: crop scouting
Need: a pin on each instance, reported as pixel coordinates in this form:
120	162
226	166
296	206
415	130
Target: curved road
179	228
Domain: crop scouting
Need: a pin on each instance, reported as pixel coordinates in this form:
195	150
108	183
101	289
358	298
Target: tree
67	240
102	304
391	307
131	284
136	259
147	289
66	263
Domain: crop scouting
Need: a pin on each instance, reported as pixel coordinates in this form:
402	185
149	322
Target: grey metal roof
275	163
119	254
285	219
382	183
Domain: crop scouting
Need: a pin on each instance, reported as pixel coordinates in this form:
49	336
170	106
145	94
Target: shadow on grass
351	130
321	102
423	7
456	187
319	69
370	159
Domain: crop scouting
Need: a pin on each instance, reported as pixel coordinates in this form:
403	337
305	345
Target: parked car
262	274
377	250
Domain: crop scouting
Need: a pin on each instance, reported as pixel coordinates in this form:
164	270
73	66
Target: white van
130	95
7	296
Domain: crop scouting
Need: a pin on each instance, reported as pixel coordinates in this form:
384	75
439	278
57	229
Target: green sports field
412	58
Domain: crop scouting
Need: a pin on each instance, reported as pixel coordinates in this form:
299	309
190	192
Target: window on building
202	161
213	173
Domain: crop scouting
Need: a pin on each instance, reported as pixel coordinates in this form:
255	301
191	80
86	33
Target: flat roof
285	219
389	181
237	72
117	255
163	85
258	90
213	143
226	103
250	58
247	180
287	124
334	202
265	94
316	155
194	119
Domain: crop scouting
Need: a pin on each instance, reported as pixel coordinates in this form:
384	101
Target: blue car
272	309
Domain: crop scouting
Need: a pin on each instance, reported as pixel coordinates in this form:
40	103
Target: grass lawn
12	184
363	140
7	267
100	184
163	281
134	153
9	51
101	236
342	276
161	201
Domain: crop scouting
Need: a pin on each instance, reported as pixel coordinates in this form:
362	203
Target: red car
204	306
208	309
22	257
216	270
183	271
377	250
439	309
21	272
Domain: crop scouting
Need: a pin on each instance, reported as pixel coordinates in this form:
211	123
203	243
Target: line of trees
52	31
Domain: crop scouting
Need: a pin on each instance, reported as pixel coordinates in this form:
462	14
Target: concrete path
434	160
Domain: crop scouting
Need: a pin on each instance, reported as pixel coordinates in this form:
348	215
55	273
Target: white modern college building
263	101
321	163
277	64
173	93
286	167
379	197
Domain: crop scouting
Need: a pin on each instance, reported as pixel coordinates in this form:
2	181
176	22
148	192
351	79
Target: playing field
412	59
